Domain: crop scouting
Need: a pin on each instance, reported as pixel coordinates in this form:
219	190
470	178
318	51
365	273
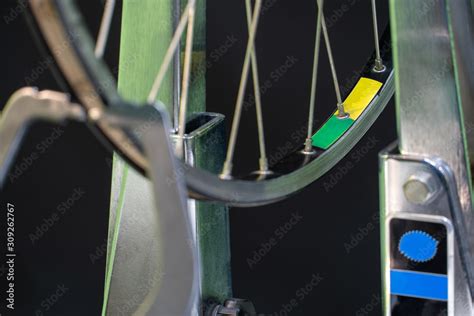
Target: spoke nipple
379	66
263	162
226	173
224	176
308	147
341	113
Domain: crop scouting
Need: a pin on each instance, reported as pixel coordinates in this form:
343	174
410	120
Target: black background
332	215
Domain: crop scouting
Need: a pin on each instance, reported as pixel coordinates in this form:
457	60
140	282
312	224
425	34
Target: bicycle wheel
94	86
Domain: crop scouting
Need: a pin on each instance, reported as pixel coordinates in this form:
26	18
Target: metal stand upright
426	205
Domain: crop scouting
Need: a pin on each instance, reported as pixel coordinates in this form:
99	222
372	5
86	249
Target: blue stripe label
421	285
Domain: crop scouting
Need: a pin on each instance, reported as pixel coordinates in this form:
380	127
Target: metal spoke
308	149
185	83
104	30
340	106
378	66
176	68
263	162
227	169
170	52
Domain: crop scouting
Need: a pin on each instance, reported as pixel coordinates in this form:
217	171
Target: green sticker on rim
355	104
331	131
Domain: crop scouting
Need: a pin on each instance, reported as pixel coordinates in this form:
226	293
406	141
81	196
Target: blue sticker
421	285
418	246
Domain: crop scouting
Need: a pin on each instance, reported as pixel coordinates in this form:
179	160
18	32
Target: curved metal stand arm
24	107
174	292
176	288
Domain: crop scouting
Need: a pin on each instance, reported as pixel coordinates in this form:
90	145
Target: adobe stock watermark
62	209
362	232
219	52
355	157
49	302
300	295
214	57
43	65
371	306
297	137
337	14
99	252
137	298
267	5
278	234
42	147
15	11
275	76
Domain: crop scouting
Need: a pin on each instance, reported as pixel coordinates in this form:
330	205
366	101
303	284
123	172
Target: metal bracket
419	197
425	180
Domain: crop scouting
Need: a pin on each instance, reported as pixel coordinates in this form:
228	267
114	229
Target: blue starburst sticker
418	246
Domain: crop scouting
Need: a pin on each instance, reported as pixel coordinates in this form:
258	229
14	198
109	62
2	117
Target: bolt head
420	188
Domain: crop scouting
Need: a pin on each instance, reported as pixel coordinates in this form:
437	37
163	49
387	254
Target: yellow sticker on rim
361	96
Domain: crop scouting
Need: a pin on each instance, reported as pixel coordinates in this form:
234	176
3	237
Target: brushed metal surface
433	70
155	269
462	44
138	262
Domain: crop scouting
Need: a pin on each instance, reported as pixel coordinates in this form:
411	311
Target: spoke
379	67
227	169
340	106
176	68
309	142
263	162
185	84
170	53
104	28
